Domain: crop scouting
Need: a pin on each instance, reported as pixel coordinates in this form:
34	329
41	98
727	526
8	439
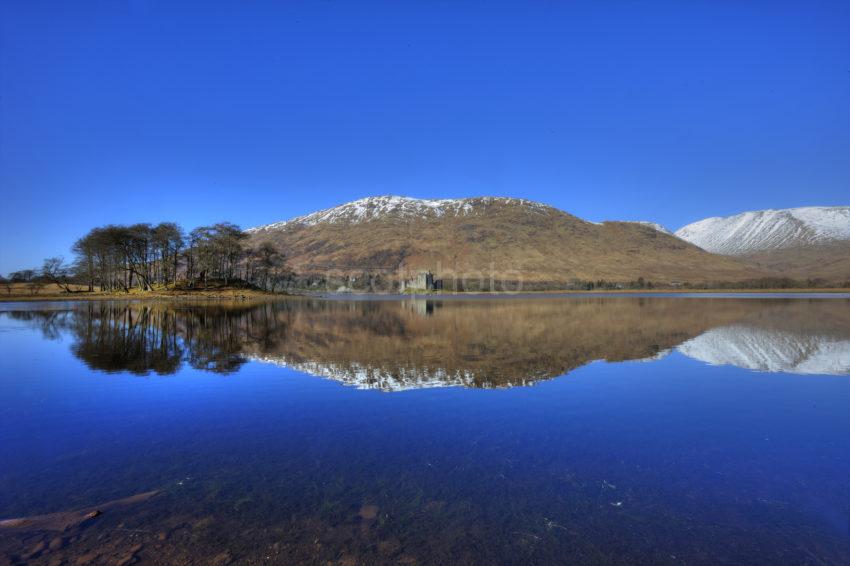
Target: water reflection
397	345
669	461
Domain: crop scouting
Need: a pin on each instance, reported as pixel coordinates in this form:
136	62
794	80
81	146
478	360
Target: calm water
570	430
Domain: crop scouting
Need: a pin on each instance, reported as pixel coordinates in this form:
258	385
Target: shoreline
210	295
253	295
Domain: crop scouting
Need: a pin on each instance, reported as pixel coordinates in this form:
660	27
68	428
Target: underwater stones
88	558
64	520
92	515
389	547
39	547
368	512
204	523
130	557
221	559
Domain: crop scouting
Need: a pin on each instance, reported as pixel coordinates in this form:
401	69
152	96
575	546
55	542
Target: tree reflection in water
395	345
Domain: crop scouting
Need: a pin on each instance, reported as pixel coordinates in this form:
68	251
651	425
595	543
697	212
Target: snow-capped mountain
379	208
770	350
766	230
513	239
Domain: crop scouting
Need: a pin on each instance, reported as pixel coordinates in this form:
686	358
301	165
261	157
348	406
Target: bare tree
57	272
269	263
168	241
215	251
22	276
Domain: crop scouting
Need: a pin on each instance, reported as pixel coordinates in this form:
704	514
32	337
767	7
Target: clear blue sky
126	111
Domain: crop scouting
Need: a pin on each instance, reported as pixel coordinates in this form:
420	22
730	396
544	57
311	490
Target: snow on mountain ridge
769	229
653	225
371	208
733	235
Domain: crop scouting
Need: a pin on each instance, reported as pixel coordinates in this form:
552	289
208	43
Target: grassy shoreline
228	294
636	292
252	294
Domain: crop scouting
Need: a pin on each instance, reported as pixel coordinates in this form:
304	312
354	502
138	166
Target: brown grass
19	292
830	262
50	292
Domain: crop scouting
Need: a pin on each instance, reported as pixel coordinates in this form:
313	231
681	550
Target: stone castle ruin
422	281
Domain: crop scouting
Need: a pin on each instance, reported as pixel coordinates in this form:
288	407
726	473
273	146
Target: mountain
509	239
796	242
765	230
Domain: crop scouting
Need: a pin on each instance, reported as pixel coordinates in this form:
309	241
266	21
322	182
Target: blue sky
126	111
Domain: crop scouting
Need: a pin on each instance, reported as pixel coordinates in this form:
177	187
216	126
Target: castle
422	281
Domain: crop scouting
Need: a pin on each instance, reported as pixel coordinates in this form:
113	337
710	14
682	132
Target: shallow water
541	430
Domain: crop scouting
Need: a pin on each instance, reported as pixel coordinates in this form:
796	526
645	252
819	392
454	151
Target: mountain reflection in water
685	459
416	343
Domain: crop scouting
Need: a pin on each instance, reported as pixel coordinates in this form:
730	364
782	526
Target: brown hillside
829	261
519	239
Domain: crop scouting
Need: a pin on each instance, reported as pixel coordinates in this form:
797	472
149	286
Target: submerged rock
67	519
368	512
130	557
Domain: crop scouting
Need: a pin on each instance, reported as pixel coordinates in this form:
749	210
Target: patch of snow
653	225
769	229
372	208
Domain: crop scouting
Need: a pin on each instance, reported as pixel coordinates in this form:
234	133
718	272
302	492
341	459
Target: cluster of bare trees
145	256
215	252
266	267
122	257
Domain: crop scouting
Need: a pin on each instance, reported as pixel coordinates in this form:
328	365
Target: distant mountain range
512	239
